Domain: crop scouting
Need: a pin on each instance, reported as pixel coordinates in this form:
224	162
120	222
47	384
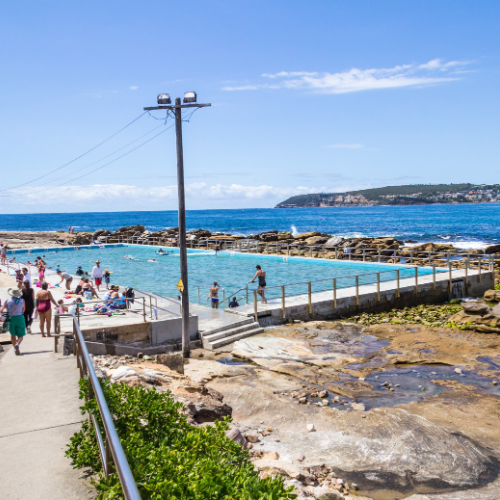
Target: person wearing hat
97	274
15	309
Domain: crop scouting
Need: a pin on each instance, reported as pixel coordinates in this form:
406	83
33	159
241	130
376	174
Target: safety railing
110	449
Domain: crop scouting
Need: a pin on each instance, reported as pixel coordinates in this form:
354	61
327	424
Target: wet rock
334	241
303	401
209	410
322	394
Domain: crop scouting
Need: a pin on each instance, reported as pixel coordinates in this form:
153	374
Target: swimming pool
231	270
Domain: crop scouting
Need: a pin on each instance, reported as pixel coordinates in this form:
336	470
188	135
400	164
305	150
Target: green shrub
497	286
168	457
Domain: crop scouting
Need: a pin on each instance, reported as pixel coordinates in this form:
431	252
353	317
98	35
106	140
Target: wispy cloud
133	87
356	80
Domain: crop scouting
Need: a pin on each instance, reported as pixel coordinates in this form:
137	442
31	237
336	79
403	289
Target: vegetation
168	457
428	315
401	194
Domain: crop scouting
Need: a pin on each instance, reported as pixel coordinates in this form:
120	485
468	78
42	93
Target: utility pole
189	97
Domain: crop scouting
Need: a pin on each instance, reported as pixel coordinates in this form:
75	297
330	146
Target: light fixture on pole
164	102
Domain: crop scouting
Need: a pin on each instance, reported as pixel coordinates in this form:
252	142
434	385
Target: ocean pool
231	270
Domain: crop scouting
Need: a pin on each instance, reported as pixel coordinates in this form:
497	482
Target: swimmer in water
152	260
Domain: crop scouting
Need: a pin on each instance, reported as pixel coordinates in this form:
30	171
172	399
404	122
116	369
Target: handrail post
323	252
364	254
416	281
378	287
411	256
283	310
288	249
350	253
335	253
429	258
223	298
479	264
310	252
150	307
247	292
451	282
467	272
144	309
309	294
398	290
255	307
334	293
267	248
379	255
357	290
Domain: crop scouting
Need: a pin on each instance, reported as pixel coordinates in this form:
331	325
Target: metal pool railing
110	448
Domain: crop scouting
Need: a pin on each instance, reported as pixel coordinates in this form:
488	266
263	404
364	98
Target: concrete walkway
39	412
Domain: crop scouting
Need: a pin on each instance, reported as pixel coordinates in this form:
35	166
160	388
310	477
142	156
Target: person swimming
153	260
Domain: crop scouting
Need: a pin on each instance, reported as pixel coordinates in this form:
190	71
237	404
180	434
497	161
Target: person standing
26	276
4	253
15	309
214	295
29	304
107	278
43	300
97	274
261	276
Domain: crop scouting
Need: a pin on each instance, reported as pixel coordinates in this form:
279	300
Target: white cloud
356	80
133	87
117	197
346	146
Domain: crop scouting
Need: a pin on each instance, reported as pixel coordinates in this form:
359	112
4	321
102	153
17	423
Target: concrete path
39	412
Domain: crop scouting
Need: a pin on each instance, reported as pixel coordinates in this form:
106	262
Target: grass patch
168	457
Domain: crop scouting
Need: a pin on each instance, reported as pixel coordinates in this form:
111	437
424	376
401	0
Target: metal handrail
110	449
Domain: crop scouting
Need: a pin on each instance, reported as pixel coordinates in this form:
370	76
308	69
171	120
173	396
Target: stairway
224	335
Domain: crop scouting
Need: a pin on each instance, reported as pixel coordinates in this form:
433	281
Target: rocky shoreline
140	234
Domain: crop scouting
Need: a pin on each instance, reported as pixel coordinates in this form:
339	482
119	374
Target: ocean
466	225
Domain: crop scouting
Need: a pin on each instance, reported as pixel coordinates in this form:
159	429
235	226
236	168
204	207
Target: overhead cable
77	158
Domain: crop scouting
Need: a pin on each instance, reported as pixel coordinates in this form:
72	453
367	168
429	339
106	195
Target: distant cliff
412	194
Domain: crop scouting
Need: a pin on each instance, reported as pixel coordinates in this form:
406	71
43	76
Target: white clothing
27	277
97	272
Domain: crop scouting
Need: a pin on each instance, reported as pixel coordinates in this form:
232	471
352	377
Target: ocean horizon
464	225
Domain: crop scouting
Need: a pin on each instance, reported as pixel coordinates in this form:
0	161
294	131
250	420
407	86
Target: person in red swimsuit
43	300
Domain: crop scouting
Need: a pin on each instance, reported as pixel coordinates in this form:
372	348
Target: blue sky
306	96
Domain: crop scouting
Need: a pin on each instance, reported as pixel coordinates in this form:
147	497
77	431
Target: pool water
231	270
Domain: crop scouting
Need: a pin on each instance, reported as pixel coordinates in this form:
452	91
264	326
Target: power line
77	158
103	158
106	164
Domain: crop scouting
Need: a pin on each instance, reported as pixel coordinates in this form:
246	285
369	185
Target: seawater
231	271
464	225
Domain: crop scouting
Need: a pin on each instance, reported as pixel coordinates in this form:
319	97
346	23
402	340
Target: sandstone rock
322	394
301	458
303	401
271	456
358	406
174	361
304	236
475	308
283	468
335	241
252	437
122	372
285	235
316	240
324	493
209	410
234	434
492	295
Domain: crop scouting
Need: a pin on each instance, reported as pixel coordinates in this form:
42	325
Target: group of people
260	275
23	303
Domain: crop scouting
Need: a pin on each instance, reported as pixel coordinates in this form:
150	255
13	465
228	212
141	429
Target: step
234	338
228	327
226	333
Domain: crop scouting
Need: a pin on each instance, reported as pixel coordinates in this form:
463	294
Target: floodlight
164	99
189	97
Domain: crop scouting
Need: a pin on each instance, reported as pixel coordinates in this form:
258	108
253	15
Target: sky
305	97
